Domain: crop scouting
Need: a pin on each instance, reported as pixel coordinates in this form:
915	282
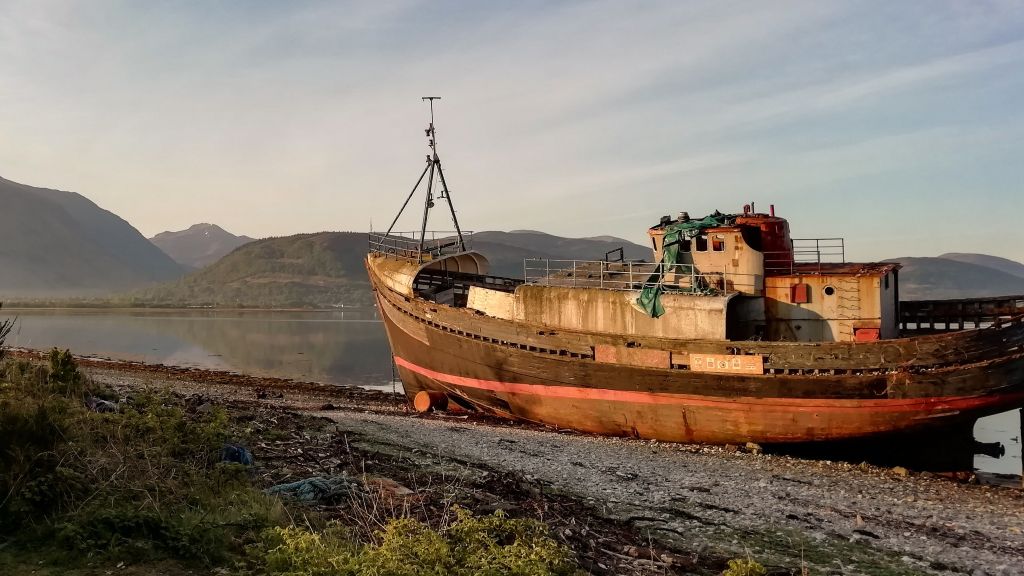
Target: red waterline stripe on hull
632	397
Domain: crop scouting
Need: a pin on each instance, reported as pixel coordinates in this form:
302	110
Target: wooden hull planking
525	373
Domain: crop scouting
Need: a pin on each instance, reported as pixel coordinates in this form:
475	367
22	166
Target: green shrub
29	380
145	481
497	544
293	551
65	379
156	425
744	567
478	546
32	478
210	531
408	547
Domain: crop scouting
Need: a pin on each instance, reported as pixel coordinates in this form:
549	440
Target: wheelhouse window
718	243
702	243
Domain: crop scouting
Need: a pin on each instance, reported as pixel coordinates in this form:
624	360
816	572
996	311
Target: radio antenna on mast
433	165
430	129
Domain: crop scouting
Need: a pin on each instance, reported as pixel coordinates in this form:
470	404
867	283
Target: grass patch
490	545
143	480
90	481
744	567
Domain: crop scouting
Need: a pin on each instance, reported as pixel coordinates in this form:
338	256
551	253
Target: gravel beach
831	517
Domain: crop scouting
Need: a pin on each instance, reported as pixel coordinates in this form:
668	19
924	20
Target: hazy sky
898	125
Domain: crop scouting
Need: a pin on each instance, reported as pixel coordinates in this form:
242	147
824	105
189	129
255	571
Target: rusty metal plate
727	363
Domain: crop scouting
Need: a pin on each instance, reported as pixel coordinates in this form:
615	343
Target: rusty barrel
425	401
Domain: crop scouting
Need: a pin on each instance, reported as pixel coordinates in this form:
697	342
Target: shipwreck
734	332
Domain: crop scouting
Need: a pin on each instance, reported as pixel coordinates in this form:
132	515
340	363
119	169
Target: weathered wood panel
973	380
645	357
680	405
918	353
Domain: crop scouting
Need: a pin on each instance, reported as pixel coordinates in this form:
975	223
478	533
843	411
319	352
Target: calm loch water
338	347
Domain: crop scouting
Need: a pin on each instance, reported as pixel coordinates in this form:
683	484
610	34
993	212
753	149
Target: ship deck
652	388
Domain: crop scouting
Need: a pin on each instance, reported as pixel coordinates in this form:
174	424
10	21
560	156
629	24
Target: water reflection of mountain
346	347
95	333
327	347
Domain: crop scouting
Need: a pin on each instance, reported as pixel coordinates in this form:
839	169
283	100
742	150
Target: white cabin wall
739	267
613	312
855	302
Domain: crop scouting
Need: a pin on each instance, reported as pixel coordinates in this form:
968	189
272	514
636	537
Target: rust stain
644	357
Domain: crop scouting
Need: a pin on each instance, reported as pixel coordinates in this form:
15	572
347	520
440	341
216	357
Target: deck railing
927	316
407	245
635	275
819	250
806	251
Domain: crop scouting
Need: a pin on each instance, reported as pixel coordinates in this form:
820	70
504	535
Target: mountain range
56	244
326	269
506	250
963	277
198	246
59	244
1002	264
304	270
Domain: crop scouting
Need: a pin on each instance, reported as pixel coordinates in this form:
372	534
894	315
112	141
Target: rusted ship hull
526	372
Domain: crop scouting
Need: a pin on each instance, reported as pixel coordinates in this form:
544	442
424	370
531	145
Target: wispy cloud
274	118
860	89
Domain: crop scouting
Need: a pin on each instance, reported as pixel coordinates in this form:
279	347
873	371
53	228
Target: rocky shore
637	507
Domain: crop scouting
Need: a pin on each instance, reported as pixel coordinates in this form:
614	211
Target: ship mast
433	167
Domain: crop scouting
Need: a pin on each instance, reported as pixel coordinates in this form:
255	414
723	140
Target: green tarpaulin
650	296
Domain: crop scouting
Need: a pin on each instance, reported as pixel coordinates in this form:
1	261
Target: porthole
829	290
